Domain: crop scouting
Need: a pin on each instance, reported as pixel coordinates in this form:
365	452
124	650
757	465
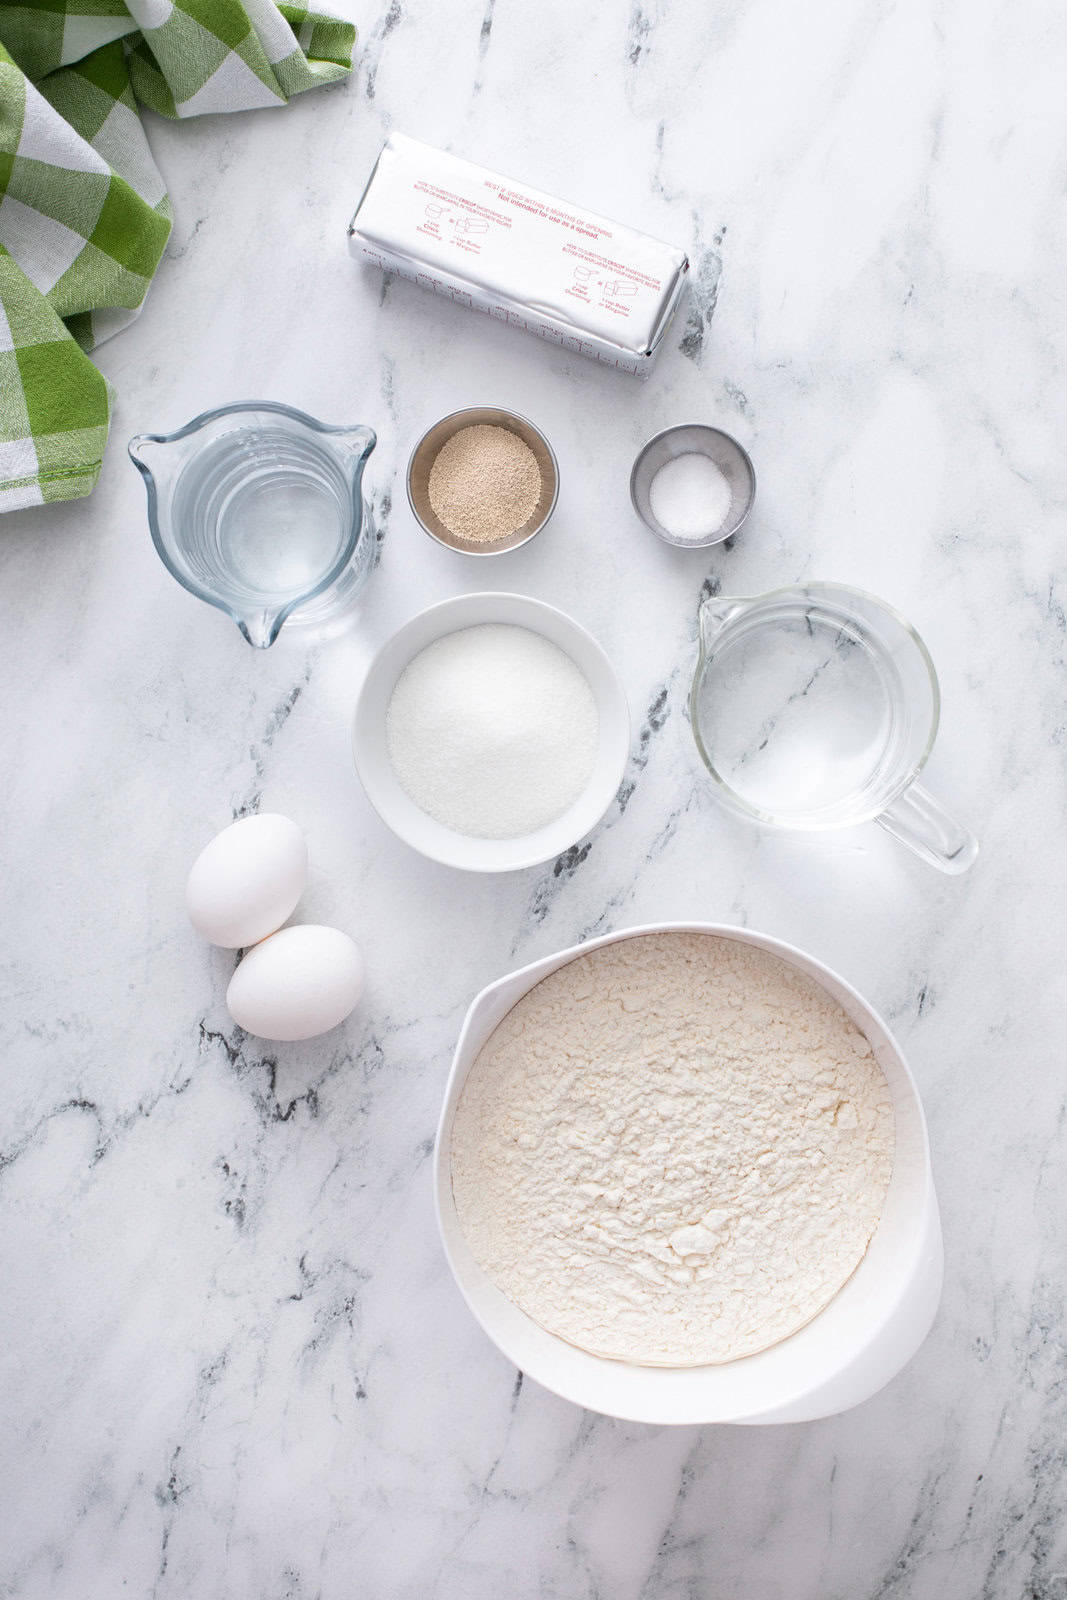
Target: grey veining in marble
233	1363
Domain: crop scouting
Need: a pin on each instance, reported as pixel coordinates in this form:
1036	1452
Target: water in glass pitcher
797	716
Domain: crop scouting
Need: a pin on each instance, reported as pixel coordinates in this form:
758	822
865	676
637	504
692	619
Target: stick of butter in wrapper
567	275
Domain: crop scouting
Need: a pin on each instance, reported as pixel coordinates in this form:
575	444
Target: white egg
247	881
299	982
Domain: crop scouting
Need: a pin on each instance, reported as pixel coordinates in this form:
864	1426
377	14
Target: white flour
673	1151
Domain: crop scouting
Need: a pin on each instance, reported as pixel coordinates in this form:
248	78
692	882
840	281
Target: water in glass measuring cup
816	707
800	712
265	511
258	509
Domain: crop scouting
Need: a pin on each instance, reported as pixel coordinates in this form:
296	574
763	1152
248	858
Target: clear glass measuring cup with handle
258	509
815	707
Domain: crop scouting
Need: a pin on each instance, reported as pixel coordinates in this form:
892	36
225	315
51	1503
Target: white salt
493	731
690	496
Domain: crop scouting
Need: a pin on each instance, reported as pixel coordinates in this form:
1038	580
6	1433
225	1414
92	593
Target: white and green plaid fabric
84	214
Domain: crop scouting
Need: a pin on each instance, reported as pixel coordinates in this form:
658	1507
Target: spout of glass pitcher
716	612
356	443
262	627
156	458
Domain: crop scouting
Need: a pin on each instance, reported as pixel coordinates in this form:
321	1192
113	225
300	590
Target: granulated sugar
484	483
673	1151
493	731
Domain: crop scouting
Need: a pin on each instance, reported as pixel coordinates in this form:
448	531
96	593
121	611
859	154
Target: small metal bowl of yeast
693	485
491	732
483	481
682	1176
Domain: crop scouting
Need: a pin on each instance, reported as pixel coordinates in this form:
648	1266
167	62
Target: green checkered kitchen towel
84	214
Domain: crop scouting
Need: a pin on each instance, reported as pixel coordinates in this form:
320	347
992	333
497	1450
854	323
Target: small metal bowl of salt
693	485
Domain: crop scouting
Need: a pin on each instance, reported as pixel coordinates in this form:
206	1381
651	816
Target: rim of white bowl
396	808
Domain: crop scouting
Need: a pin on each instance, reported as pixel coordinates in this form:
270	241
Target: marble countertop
234	1362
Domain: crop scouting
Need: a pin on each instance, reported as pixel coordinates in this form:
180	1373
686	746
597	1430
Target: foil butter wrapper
573	278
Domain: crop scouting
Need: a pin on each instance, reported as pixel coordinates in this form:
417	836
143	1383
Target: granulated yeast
484	483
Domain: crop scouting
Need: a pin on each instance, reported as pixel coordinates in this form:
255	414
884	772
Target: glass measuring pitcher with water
815	707
259	510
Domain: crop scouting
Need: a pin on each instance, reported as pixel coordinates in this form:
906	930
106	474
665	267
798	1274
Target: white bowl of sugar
491	732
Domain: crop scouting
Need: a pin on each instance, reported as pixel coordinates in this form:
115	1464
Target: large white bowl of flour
849	1327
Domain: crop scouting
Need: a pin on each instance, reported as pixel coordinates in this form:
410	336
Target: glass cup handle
923	824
